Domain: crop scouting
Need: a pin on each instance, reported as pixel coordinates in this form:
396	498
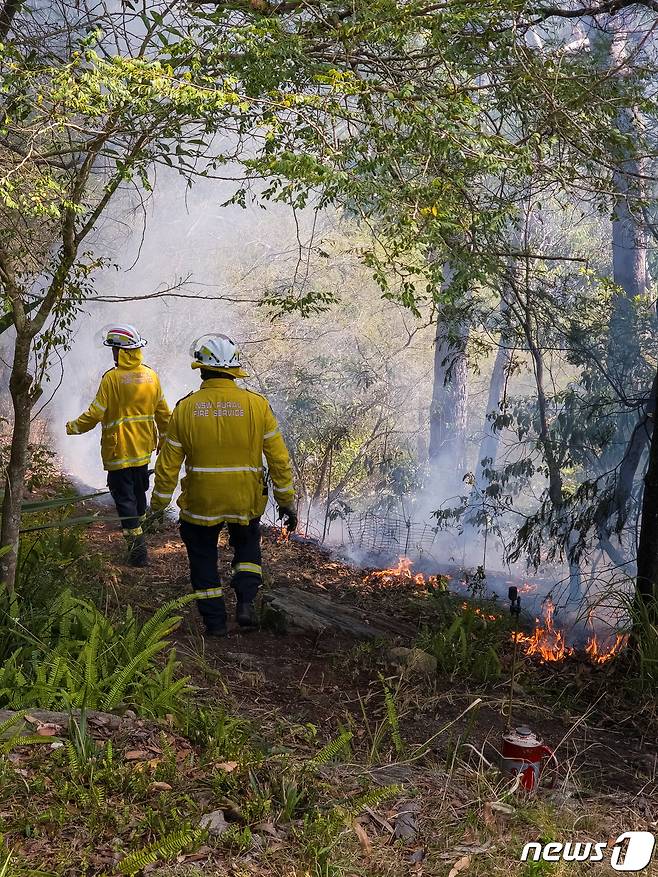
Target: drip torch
515	611
523	753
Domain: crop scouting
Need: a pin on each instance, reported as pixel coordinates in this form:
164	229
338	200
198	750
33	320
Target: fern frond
11	721
124	677
331	750
392	718
74	761
91	674
372	799
162	622
167	848
22	740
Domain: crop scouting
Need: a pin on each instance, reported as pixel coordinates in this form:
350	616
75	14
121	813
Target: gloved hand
153	520
288	516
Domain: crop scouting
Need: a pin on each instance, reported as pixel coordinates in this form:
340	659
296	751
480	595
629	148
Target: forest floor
411	787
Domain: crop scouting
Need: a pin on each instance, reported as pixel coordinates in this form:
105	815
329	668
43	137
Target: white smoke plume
180	237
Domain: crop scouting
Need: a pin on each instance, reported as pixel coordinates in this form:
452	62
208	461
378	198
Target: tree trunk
20	385
629	267
491	437
647	552
447	445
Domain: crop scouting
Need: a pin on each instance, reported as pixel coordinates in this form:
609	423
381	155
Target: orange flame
601	655
284	536
545	642
402	571
527	588
476	609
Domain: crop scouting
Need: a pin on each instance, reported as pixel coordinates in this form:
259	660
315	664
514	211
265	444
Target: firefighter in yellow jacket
222	432
133	414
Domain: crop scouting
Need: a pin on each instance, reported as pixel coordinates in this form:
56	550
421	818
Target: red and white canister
525	754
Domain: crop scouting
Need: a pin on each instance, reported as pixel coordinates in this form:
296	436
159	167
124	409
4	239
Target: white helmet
122	335
217	352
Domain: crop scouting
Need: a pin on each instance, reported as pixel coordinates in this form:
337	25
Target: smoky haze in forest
185	238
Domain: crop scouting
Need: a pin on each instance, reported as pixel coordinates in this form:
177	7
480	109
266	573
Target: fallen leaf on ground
48	729
136	755
227	766
472	848
362	835
268	828
198	856
460	866
499	807
159	787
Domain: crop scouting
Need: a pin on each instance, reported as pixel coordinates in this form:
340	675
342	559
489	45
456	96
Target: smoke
221	260
217	258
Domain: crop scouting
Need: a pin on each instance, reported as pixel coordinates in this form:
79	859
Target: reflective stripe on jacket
132	411
221	432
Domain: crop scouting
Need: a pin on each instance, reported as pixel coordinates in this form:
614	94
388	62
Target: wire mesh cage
390	534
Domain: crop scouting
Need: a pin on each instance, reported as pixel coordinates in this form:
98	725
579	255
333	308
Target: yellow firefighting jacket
222	432
130	406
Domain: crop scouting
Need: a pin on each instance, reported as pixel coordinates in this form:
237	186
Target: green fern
109	754
167	848
11	722
91	675
58	668
392	718
162	622
371	799
331	750
22	740
75	657
125	676
72	755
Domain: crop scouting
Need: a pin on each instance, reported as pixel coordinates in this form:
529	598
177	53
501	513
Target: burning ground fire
393	575
546	643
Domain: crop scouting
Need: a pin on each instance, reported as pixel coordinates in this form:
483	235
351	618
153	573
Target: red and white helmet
217	352
122	335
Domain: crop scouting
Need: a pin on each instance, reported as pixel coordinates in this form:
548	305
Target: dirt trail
298	677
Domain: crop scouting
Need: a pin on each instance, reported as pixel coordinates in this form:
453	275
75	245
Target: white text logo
632	851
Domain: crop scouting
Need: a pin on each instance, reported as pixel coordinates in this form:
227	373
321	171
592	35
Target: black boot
217	630
137	552
245	615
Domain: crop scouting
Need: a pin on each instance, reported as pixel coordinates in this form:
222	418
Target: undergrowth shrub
470	643
644	642
46	559
72	655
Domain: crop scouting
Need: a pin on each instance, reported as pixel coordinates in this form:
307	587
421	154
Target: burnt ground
605	735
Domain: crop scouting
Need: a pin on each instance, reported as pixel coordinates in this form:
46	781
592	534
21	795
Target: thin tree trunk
22	399
629	268
447	444
491	436
647	553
